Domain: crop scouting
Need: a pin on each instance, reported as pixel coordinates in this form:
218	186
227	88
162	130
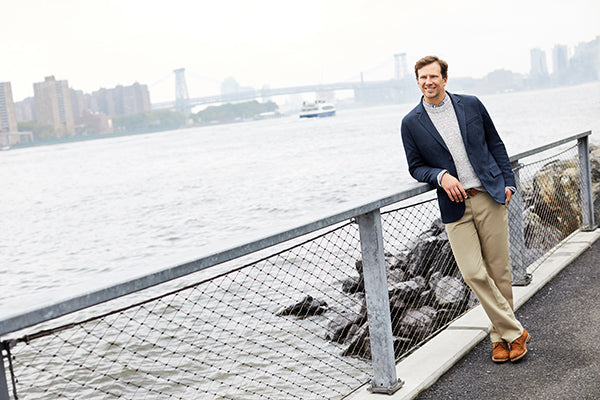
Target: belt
472	192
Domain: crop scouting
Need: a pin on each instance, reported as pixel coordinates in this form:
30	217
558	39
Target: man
452	144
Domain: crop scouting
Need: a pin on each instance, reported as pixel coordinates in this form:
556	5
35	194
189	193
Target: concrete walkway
564	355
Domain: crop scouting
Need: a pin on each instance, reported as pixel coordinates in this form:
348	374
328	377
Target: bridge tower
400	66
182	98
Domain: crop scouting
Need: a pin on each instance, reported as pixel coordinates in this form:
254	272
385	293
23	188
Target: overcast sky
104	43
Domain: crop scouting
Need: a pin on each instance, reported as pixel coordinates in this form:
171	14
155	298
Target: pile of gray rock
425	288
425	292
552	203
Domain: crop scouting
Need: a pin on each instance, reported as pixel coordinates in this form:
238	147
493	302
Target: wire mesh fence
292	324
552	204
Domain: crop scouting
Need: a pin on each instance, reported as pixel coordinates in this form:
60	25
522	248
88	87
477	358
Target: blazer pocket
495	170
475	118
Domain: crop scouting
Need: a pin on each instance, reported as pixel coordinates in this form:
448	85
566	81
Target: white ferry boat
318	108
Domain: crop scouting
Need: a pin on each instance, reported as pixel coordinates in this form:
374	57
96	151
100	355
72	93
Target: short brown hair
430	60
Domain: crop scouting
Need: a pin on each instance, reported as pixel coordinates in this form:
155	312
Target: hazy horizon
102	45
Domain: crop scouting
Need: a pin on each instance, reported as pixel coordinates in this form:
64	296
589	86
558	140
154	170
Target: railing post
378	305
3	381
516	231
587	199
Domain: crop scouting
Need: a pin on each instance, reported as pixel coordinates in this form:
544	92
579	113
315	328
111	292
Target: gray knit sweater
444	120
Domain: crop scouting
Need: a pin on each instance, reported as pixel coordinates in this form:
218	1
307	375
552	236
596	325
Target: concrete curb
428	363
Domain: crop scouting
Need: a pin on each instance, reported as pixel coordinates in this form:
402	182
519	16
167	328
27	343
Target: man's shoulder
465	98
413	113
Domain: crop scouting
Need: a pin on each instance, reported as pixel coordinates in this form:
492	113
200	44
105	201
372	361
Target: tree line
234	112
162	120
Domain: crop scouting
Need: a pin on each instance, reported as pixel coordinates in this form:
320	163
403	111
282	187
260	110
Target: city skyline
273	43
71	112
541	64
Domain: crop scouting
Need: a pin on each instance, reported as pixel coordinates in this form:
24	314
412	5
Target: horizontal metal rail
11	323
549	146
22	319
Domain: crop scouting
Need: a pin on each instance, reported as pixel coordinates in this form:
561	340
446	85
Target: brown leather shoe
518	348
500	352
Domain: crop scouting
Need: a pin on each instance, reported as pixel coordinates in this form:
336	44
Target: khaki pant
479	242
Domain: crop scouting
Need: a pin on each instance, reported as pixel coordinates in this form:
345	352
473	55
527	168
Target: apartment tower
53	106
8	117
122	100
539	68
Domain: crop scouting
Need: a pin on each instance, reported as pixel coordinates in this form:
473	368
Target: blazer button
450	158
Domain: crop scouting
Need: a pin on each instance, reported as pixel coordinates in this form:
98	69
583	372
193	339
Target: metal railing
312	312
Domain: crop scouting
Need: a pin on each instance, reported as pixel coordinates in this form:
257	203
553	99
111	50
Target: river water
81	214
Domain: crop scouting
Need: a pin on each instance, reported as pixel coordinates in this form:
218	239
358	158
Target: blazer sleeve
417	166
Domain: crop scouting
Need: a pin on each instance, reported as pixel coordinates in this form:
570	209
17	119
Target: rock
348	330
423	255
360	345
395	276
555	196
359	267
353	285
408	289
450	291
398	305
435	229
432	253
348	318
305	308
406	294
396	261
415	324
539	236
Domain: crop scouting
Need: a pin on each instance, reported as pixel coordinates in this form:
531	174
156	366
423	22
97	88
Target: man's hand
509	194
454	189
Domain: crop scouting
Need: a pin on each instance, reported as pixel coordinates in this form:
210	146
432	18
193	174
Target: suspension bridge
395	89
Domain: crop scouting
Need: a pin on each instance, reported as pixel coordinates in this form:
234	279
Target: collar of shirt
426	104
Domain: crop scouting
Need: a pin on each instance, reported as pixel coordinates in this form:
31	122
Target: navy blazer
427	153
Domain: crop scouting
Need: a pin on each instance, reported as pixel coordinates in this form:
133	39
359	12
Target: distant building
232	91
502	80
90	122
229	86
134	99
539	67
78	102
103	101
9	128
400	68
560	63
121	100
25	110
8	116
585	64
53	106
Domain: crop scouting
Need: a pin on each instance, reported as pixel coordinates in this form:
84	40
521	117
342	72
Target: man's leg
467	250
492	226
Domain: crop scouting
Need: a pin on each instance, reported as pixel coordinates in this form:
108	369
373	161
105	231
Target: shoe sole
525	352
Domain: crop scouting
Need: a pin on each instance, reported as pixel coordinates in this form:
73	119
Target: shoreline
352	106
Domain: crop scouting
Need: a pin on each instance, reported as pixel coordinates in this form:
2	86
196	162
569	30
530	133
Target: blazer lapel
429	127
459	109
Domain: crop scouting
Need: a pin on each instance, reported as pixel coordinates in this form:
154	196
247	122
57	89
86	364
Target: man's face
431	83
